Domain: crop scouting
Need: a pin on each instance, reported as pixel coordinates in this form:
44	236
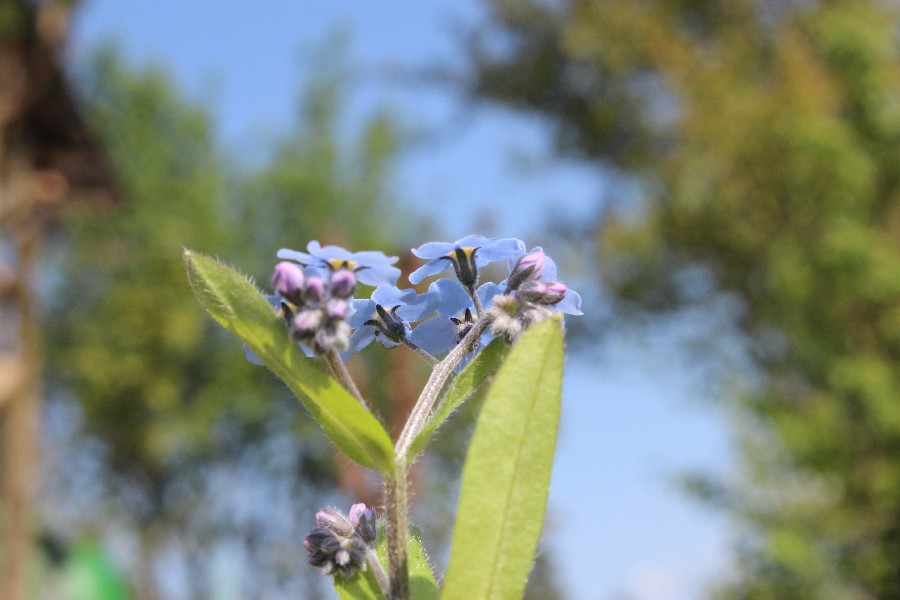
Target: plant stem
479	310
395	491
397	530
378	571
442	371
427	357
339	371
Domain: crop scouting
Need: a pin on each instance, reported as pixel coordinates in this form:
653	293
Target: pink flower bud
288	280
530	266
554	292
308	321
314	289
333	520
342	283
539	292
337	309
363	519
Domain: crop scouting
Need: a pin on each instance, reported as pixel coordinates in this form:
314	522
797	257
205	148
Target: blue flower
387	315
371	268
466	255
455	316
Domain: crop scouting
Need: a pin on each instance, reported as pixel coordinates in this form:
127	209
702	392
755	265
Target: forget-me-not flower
387	315
370	267
455	316
467	255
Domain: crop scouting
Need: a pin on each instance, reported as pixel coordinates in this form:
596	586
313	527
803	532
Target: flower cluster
316	301
323	316
532	294
338	545
316	309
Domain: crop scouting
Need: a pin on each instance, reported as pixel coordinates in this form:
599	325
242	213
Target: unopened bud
314	289
507	304
528	268
538	292
307	321
337	309
364	521
333	520
342	283
288	281
333	554
334	334
555	292
504	324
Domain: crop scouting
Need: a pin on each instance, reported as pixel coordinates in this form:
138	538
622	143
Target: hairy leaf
506	477
239	307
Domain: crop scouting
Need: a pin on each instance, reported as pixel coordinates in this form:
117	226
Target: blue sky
631	421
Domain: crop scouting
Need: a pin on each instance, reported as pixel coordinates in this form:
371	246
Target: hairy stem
395	485
338	370
479	310
378	571
426	356
397	531
439	376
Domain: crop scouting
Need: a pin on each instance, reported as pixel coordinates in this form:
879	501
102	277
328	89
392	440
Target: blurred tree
765	136
191	433
47	158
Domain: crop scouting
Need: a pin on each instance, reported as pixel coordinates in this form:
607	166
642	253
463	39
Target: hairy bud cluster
511	314
338	545
320	308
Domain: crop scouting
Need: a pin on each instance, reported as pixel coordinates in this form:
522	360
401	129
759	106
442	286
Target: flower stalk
396	505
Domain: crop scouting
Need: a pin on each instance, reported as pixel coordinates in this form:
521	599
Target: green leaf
422	585
506	477
361	586
464	385
239	307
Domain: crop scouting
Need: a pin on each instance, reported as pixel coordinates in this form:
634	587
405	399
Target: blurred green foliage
167	393
766	137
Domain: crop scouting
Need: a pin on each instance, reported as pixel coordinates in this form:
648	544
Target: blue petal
570	304
494	250
473	240
378	275
374	258
361	338
487	291
432	267
453	298
295	255
363	310
389	296
251	357
328	252
433	250
549	269
421	307
435	335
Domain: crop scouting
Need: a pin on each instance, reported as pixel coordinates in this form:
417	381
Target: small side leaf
463	386
506	477
422	585
361	586
239	307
